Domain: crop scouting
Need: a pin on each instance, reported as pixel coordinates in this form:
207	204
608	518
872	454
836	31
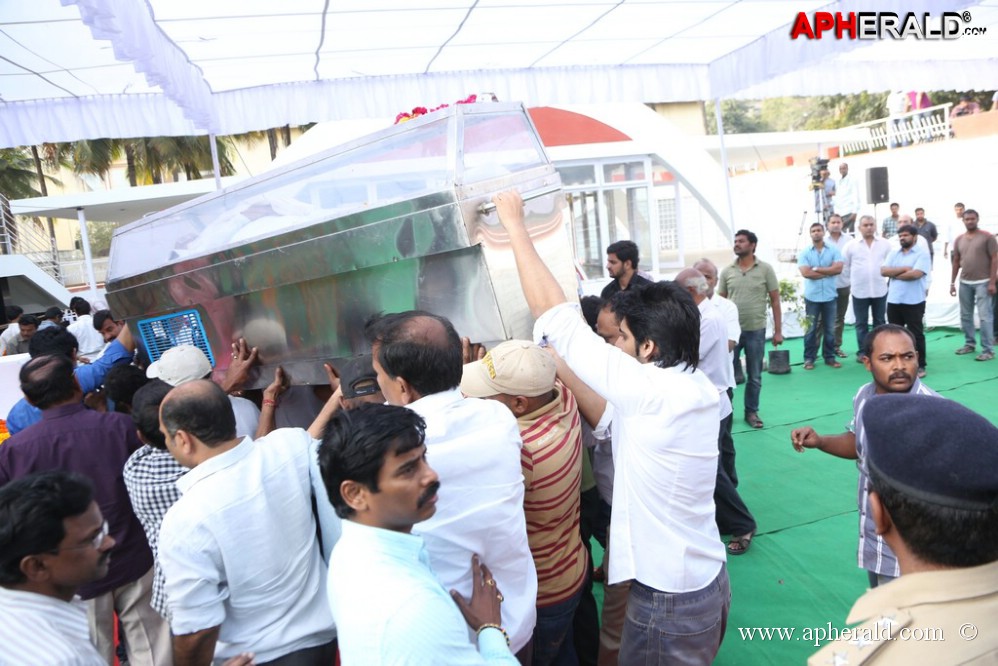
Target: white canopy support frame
79	69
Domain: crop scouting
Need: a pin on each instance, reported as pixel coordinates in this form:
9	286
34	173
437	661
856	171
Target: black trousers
911	317
732	515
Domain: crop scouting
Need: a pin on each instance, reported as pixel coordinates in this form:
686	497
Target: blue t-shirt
908	292
820	290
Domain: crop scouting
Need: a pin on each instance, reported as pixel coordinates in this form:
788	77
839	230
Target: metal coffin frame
302	295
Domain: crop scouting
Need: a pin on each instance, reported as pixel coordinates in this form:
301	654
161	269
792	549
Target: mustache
900	375
428	494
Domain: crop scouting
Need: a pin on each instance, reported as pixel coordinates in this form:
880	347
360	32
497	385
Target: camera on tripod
818	164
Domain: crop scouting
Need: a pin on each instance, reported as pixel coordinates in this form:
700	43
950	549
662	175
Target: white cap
515	367
183	363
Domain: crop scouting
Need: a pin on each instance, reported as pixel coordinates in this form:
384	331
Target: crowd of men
436	506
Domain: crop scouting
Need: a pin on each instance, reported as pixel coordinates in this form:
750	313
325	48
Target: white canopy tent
121	68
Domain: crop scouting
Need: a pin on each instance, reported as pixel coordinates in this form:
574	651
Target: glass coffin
296	259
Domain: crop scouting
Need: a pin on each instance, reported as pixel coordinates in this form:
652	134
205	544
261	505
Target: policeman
934	474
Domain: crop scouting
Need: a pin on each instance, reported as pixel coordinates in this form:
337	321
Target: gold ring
490	583
499	595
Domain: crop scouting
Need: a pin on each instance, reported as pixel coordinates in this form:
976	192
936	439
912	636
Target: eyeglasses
96	542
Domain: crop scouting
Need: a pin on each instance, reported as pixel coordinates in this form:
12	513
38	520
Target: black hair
409	349
937	534
872	336
752	238
145	411
909	229
816	224
32	511
894	203
203	410
100	317
79	305
53	340
969	211
48	380
53	312
663	312
591	306
29	320
120	384
626	251
12	312
356	442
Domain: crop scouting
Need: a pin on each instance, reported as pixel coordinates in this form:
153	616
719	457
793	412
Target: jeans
911	316
826	311
861	309
841	305
977	294
754	344
675	628
554	644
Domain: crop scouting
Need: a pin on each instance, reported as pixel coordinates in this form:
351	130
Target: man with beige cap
185	363
521	375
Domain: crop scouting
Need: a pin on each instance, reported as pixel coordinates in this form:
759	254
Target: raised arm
591	404
540	287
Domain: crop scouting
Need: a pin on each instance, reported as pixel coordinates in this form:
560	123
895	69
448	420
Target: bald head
709	271
48	381
420	347
201	409
694	282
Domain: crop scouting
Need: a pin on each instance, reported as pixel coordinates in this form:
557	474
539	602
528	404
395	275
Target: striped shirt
37	629
874	554
551	458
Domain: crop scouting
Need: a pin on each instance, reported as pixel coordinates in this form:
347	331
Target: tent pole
724	165
88	259
215	168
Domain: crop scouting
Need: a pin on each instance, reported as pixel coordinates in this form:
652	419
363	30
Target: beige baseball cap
515	367
183	363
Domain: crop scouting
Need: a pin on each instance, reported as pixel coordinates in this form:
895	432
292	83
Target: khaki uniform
934	617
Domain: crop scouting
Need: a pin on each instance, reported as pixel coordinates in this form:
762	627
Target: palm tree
17	174
150	159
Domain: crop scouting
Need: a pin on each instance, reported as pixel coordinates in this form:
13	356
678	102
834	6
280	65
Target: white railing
75	272
930	124
25	237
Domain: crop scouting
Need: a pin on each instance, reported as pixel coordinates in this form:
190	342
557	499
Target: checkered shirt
873	554
150	477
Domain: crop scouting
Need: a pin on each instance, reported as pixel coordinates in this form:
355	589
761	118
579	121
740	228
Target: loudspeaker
877	190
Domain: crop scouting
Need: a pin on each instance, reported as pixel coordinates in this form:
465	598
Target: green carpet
801	572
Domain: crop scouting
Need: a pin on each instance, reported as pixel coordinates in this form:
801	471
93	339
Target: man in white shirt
90	340
862	259
733	516
53	539
665	451
846	198
239	552
389	606
475	448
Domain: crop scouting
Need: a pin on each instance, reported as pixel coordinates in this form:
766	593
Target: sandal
740	545
809	365
753	420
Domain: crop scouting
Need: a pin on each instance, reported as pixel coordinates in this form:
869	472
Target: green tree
100	234
739	117
18	178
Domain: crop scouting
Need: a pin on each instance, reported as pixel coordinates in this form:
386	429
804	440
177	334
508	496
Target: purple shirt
96	445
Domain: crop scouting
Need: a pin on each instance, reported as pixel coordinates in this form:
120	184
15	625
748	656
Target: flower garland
422	110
